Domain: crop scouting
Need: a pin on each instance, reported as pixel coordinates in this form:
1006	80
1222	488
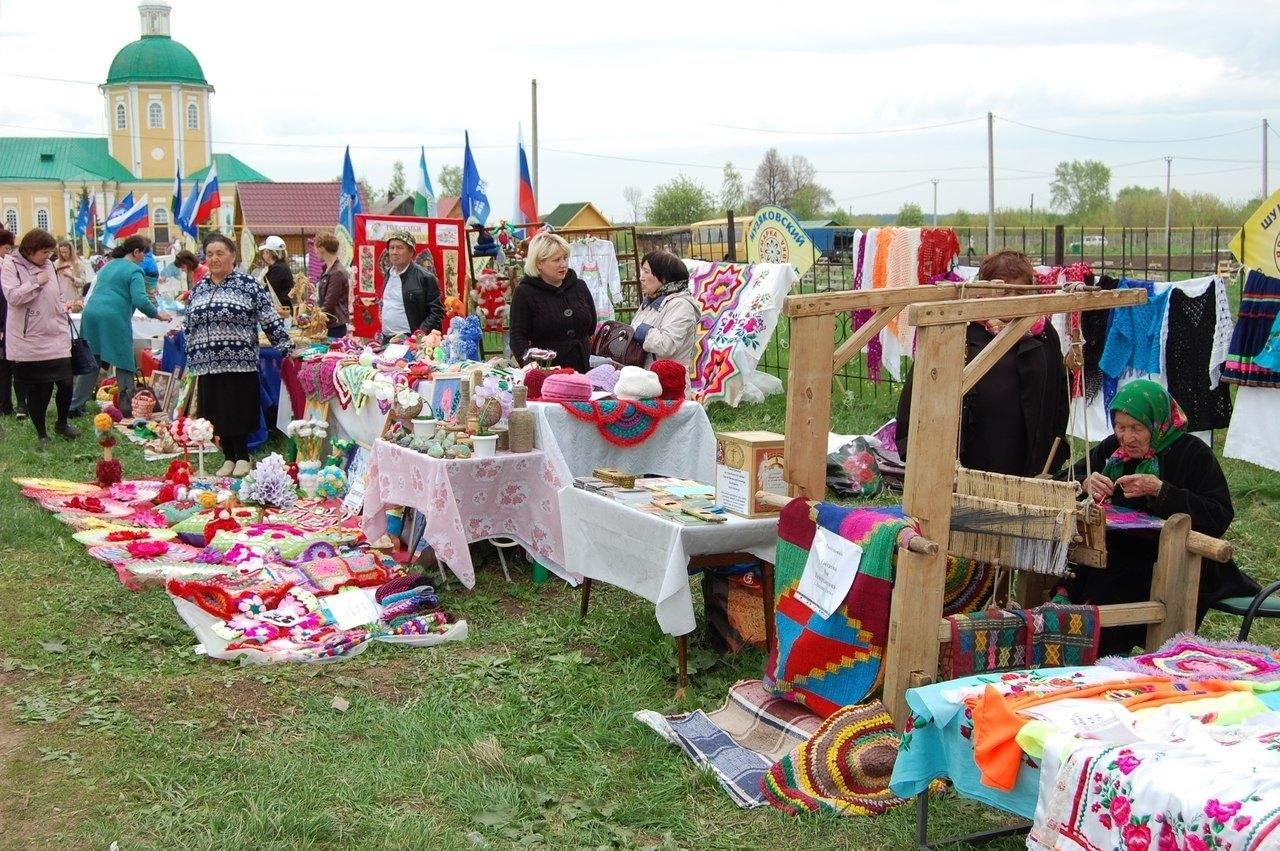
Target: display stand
916	626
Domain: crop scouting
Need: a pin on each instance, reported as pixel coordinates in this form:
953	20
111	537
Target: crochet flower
102	422
147	549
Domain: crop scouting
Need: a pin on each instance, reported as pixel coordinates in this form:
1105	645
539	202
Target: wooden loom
942	377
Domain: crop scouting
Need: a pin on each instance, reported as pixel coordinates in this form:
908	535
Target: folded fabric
1259	312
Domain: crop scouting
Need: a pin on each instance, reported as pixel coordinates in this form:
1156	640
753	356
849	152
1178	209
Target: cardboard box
746	462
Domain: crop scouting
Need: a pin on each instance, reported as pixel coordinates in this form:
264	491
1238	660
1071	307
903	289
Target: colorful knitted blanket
825	664
1259	307
1189	657
843	769
997	640
624	423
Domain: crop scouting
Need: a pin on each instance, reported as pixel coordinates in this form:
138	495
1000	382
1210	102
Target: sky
881	100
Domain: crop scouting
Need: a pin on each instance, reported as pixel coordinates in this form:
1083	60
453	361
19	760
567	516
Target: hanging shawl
1148	403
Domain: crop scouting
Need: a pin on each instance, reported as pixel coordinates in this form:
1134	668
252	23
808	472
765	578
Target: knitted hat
674	377
566	387
603	377
534	378
636	383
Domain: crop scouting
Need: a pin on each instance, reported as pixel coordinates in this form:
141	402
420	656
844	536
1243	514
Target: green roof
156	59
560	216
53	158
231	170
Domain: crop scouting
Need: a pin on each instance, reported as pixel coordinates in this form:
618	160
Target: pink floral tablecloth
468	500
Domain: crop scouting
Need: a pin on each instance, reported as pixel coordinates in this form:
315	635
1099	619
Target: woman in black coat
1150	464
1010	418
552	307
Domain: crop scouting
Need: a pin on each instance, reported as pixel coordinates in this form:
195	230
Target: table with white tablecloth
684	445
649	555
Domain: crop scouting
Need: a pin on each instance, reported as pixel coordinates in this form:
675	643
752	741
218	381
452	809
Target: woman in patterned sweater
223	315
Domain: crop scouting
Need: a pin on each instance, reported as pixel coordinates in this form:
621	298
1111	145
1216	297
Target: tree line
1080	195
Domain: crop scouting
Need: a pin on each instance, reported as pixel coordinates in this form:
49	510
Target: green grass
112	729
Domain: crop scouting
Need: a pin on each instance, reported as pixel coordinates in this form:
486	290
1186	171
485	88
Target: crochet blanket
843	770
828	663
1190	657
624	423
1259	307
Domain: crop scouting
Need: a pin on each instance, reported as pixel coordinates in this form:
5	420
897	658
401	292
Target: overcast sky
634	94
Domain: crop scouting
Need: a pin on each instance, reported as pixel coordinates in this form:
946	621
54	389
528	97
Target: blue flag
186	218
475	204
349	198
82	217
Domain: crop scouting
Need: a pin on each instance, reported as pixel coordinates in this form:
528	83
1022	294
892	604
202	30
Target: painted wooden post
911	656
1175	581
809	405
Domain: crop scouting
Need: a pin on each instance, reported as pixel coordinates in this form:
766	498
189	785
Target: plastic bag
852	471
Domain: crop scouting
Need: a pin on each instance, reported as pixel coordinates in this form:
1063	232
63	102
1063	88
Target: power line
1127	141
874	132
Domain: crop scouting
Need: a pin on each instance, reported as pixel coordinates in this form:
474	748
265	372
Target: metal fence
1146	253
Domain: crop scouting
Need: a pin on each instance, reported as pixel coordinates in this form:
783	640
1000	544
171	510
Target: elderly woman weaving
1151	464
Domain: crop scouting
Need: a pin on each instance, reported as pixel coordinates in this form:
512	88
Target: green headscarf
1150	404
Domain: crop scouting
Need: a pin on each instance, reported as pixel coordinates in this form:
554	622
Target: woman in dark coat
552	307
1011	417
1151	464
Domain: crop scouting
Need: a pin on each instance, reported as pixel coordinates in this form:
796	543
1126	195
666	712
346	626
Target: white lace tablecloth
467	500
649	555
684	446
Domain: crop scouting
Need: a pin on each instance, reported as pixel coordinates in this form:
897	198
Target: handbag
83	361
616	341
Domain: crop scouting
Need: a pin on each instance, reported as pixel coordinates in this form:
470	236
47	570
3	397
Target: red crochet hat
534	378
674	377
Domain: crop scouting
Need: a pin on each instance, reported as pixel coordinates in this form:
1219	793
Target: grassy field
113	730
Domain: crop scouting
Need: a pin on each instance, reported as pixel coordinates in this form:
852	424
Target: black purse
82	360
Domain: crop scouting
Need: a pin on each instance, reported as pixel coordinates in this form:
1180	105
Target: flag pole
534	176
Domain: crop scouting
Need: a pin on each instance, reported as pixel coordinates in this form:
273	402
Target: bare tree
772	182
634	197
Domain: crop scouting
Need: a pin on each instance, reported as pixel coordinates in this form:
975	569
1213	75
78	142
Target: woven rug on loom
1188	656
844	769
624	423
825	664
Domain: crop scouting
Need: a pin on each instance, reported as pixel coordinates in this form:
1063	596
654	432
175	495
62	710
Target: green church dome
155	59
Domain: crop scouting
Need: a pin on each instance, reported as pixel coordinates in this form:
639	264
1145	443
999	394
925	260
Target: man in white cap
279	276
410	295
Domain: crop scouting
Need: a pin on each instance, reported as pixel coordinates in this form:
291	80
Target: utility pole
534	86
1033	210
1168	199
991	184
935	202
1265	127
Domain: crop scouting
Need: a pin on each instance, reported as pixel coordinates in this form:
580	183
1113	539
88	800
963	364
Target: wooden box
746	462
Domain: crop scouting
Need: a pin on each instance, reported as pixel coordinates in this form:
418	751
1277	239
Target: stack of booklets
669	498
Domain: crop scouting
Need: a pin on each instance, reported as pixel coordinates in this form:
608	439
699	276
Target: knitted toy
454	308
179	473
108	470
222	522
674	377
489	294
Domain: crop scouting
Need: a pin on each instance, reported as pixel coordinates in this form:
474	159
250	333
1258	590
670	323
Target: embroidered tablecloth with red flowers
469	499
1184	785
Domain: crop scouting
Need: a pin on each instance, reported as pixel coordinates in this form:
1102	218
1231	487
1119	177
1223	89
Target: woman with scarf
1151	464
1010	421
667	322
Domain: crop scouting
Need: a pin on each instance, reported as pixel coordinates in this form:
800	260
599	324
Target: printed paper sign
829	572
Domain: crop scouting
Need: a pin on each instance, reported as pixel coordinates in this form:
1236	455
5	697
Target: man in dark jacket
410	294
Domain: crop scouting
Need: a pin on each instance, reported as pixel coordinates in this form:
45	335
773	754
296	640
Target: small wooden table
653	557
